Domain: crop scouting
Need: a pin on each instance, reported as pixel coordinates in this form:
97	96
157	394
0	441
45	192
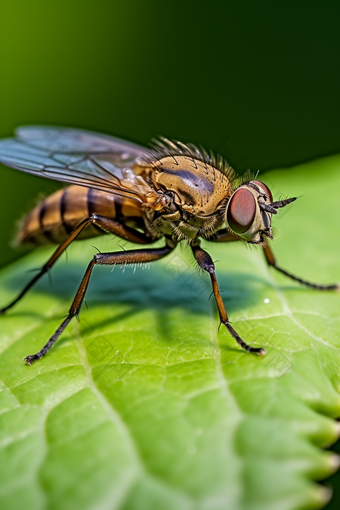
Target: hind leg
108	259
106	224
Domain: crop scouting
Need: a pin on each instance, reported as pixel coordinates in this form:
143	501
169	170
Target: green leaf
144	405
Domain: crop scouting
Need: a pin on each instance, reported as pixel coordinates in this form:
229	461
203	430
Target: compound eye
265	189
241	211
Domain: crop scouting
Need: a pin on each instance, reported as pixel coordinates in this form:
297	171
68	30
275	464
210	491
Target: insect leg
108	259
108	225
223	236
205	262
272	262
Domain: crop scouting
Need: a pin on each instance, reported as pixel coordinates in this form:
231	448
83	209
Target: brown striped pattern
59	214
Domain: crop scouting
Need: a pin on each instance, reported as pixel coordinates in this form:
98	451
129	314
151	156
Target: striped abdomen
56	216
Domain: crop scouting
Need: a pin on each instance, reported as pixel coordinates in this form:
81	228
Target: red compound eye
241	211
265	189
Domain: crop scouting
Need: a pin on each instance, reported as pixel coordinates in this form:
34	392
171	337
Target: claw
29	359
257	350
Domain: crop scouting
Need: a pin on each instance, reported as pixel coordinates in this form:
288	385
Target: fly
173	191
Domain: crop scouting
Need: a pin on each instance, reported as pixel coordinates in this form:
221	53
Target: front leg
205	262
272	262
223	236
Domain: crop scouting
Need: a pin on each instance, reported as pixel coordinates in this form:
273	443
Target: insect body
59	214
173	191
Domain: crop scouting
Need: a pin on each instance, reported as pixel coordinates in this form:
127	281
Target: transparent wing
77	157
69	140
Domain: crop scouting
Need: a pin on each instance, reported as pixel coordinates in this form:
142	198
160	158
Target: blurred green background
257	82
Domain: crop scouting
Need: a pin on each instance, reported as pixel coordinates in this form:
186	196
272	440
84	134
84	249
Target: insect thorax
198	193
